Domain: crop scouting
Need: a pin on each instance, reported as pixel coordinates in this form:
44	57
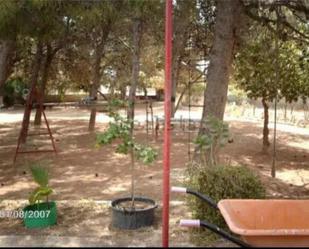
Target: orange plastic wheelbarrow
259	223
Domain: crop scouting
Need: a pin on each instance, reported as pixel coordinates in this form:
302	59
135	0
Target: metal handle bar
213	228
205	198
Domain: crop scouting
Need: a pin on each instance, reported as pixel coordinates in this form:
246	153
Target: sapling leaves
145	154
120	128
40	176
203	141
39	194
122	148
217	136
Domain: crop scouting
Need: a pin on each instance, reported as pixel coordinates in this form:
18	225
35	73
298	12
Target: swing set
34	96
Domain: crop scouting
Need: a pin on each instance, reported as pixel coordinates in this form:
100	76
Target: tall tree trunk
123	92
34	78
175	78
95	84
187	87
45	74
7	47
137	36
285	110
99	52
306	109
266	142
228	22
182	32
292	109
102	95
181	96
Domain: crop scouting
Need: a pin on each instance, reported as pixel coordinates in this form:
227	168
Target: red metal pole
167	115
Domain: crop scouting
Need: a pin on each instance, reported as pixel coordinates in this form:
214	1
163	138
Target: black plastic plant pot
40	215
128	218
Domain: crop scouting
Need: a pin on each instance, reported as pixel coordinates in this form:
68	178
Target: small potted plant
40	213
130	212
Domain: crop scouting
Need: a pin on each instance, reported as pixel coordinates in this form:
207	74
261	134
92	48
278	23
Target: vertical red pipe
167	115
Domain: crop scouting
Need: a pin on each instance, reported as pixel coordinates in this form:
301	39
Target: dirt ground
82	175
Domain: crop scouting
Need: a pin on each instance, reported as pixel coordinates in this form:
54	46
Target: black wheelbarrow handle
205	198
213	228
199	223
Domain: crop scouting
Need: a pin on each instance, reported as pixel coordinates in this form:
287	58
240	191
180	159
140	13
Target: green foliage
146	154
37	18
39	194
9	10
222	182
256	68
216	137
13	91
236	95
40	176
120	128
96	14
267	68
8	96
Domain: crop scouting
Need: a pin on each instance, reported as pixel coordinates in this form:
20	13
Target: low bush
13	92
222	182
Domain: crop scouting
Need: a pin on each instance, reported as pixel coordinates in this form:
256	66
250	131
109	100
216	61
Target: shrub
40	176
222	182
8	96
209	143
13	91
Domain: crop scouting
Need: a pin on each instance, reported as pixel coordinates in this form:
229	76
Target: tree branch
290	26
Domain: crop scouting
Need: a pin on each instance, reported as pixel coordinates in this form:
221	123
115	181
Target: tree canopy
84	44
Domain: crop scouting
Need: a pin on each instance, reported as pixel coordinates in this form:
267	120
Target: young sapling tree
217	136
40	176
120	128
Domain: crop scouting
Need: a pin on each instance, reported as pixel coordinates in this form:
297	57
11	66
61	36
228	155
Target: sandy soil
80	171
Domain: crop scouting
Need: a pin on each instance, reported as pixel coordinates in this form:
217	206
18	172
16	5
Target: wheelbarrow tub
278	223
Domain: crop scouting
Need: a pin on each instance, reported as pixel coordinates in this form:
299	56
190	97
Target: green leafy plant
40	176
13	91
221	182
120	129
216	137
281	72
